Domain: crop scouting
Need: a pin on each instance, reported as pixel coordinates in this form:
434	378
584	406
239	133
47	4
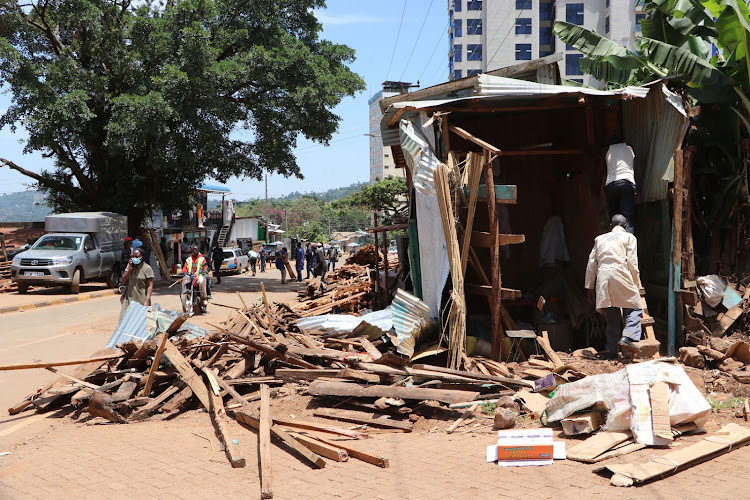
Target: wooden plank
268	309
358	454
486	290
302	374
504	193
187	373
270	351
474	167
543	152
74	379
396	117
551	354
156	403
468	413
322	449
472	138
264	443
371	349
391	227
328	307
315	426
47	364
361	417
155	364
469	375
485	240
498	346
347	389
219	418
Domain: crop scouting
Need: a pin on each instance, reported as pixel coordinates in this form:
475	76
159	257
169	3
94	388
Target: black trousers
621	200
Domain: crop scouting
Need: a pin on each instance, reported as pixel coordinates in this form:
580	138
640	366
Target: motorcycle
193	301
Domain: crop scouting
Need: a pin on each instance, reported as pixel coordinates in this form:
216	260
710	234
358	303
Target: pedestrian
184	250
164	245
620	185
263	256
309	252
614	284
127	250
300	262
217	259
138	280
332	256
320	265
253	259
280	263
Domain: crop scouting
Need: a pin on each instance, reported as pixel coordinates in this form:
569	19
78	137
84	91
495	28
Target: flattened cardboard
597	444
660	411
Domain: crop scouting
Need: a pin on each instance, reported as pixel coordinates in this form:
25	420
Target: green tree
387	196
138	104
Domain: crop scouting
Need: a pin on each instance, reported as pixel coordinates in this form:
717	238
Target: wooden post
268	309
498	346
446	137
264	443
675	267
155	364
688	256
385	270
2	247
376	302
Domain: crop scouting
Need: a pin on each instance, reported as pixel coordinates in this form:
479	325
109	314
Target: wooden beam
476	140
323	449
486	290
551	354
348	389
358	454
155	403
485	240
219	418
396	117
476	107
474	168
477	376
74	379
371	349
264	443
315	426
504	193
362	417
543	152
42	364
155	365
392	227
268	308
187	373
270	351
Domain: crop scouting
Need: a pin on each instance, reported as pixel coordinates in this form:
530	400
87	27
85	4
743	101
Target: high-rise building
490	34
381	158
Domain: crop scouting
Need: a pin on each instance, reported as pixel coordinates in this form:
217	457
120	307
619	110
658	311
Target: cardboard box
582	423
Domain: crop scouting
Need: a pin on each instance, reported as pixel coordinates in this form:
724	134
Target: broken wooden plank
361	417
472	138
264	443
268	308
348	389
48	364
155	365
477	376
485	240
551	354
486	290
357	453
314	426
303	374
269	350
156	403
73	379
371	349
467	414
219	418
322	449
187	373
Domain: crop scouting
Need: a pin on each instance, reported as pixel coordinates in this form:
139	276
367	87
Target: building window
474	5
457	74
574	13
474	52
457	27
573	64
545	36
606	4
523	26
569	47
545	11
577	80
457	5
638	19
457	48
523	4
473	26
473	72
606	24
523	52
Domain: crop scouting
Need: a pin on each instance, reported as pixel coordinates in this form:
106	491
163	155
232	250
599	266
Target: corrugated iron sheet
412	321
140	322
655	127
346	323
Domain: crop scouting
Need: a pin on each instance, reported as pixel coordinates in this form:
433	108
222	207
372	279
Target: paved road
76	330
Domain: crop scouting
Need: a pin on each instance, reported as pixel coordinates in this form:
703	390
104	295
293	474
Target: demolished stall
528	160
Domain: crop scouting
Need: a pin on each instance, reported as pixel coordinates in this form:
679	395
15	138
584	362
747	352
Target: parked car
270	251
76	248
235	260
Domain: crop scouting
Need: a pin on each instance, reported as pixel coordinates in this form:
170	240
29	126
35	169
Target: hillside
23	206
329	195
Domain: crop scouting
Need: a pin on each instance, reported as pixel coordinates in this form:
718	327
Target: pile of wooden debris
348	289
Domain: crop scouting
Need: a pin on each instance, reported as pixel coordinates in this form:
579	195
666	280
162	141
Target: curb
55	302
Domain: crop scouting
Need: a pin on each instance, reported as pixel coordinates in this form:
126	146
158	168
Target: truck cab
89	250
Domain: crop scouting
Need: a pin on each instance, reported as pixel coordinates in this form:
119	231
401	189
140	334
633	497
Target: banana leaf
680	61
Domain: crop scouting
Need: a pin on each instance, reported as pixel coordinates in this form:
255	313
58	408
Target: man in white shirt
620	185
613	272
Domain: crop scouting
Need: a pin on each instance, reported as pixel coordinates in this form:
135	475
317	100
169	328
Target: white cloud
342	19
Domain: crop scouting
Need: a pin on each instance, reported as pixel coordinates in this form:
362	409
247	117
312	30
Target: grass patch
488	407
726	404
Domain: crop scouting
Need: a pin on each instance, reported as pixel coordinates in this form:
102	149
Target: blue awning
209	188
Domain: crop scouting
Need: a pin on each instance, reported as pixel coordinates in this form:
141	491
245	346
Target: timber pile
364	256
349	290
6	285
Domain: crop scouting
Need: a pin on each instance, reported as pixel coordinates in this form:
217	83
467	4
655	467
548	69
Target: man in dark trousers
320	265
217	257
300	264
309	260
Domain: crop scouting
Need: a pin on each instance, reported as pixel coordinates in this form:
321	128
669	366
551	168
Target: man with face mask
139	282
196	264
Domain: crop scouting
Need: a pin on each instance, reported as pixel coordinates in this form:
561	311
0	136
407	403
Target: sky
372	29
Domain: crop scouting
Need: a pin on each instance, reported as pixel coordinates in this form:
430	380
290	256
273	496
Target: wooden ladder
222	235
647	322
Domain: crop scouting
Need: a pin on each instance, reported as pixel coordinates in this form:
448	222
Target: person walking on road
309	253
320	266
332	257
253	259
263	255
613	282
300	264
217	259
280	263
139	282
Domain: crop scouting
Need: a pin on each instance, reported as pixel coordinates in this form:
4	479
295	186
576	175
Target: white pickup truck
76	248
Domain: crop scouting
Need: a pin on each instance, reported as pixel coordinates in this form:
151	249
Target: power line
440	40
424	21
398	33
512	26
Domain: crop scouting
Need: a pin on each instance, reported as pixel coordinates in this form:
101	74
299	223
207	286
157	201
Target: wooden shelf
485	240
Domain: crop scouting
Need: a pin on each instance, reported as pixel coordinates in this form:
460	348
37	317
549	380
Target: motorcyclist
196	265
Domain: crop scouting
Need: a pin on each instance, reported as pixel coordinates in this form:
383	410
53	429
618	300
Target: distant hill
24	206
330	195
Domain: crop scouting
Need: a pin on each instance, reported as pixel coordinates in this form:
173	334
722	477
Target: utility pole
266	176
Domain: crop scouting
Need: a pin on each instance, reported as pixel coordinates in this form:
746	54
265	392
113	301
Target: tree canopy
387	196
138	104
